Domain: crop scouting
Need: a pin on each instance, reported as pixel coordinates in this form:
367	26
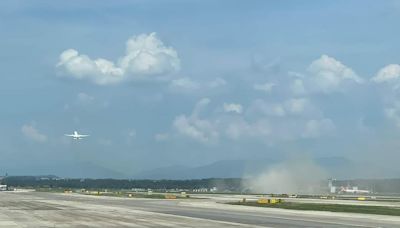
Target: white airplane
76	135
354	191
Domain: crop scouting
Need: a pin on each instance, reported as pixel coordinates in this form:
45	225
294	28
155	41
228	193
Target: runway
37	209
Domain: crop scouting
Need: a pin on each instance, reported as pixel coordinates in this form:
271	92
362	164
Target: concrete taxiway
37	209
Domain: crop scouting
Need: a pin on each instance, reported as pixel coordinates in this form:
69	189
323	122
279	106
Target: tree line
222	184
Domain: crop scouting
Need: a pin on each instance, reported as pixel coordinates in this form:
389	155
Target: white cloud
296	105
390	76
267	108
266	87
292	119
188	85
200	106
218	82
197	129
296	74
280	130
184	84
393	113
30	132
297	87
146	57
84	99
328	74
99	71
194	127
276	109
240	128
232	107
388	73
315	128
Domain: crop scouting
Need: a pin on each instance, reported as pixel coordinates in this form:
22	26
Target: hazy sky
161	83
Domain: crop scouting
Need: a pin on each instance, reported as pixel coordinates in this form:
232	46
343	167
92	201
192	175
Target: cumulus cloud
188	85
390	76
200	106
297	87
197	129
387	74
194	127
145	57
293	106
232	107
267	108
266	87
301	106
290	116
290	119
85	101
393	113
240	128
281	130
296	74
315	128
184	84
264	121
296	105
329	74
30	132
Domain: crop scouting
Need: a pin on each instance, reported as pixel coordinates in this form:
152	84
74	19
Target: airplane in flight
76	135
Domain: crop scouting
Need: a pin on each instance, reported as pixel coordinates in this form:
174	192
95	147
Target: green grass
379	210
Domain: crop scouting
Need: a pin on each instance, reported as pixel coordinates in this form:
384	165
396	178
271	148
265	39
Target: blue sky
161	83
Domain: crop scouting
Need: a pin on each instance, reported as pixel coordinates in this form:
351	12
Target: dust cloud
290	177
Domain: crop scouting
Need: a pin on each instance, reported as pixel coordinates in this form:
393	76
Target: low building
3	187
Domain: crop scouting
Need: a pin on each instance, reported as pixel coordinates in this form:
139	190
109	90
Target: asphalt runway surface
38	209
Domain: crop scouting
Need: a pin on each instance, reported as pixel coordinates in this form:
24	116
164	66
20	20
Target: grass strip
378	210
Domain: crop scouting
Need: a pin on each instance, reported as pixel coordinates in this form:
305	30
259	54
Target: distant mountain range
337	167
67	170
